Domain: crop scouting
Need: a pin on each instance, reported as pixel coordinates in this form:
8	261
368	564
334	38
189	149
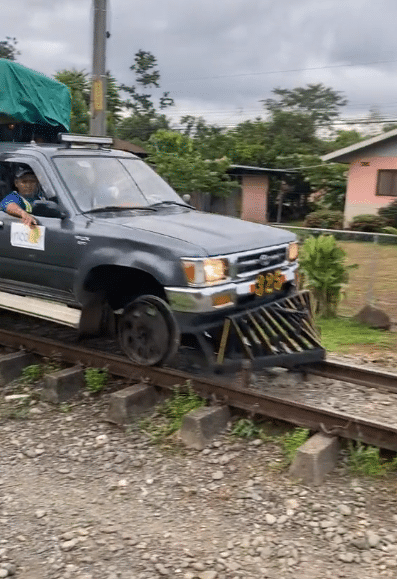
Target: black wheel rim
148	331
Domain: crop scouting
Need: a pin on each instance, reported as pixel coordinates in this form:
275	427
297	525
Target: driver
19	203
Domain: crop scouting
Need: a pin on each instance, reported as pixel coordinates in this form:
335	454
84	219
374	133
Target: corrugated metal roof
342	155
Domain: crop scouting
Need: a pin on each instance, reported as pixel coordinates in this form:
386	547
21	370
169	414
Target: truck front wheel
148	331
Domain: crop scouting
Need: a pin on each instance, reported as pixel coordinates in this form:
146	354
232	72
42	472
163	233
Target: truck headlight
205	271
292	251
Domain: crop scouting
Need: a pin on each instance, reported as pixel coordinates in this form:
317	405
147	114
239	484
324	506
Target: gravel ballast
81	498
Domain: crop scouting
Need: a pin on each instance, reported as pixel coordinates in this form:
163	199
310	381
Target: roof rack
70	140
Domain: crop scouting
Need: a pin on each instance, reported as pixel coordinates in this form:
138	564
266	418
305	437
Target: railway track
239	395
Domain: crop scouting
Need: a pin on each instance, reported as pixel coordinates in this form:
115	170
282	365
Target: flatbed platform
38	308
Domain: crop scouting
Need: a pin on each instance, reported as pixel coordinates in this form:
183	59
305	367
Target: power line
242	74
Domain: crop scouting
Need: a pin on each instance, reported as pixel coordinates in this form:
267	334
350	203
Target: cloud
217	60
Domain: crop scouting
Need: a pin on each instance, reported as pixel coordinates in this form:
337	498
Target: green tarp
28	96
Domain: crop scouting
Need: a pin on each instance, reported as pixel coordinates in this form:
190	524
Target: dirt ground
375	278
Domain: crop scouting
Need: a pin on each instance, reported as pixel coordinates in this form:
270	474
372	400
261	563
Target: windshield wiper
160	203
118	208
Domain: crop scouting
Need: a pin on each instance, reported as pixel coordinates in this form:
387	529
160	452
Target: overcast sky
219	58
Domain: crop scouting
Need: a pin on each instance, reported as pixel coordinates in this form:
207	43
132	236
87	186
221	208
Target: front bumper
223	297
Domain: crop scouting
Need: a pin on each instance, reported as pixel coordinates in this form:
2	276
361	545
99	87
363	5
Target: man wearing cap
19	202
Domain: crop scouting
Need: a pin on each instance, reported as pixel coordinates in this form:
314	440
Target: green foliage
325	219
183	167
367	222
169	415
291	441
318	102
16	411
35	372
289	132
246	428
32	373
8	48
79	86
390	230
345	139
139	128
389	213
114	105
327	180
366	461
211	141
145	118
96	379
80	90
337	334
325	273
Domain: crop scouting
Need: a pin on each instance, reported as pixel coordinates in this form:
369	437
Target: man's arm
17	211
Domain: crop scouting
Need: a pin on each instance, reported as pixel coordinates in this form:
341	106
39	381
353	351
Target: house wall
361	186
254	193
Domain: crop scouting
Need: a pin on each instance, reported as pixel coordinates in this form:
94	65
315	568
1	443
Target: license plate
269	282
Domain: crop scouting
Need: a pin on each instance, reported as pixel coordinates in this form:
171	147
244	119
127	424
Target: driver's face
26	185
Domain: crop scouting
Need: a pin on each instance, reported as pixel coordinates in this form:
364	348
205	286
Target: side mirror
186	198
44	208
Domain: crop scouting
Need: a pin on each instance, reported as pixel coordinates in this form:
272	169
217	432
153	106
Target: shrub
390	230
325	272
325	219
366	222
389	213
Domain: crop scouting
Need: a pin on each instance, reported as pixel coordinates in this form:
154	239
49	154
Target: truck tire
148	331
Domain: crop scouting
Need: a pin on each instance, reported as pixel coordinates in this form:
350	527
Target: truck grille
251	263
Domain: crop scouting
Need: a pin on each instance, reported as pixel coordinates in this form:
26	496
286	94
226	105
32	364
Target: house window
387	183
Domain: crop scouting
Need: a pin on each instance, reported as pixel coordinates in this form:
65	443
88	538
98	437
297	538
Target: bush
325	219
389	213
366	222
325	272
390	230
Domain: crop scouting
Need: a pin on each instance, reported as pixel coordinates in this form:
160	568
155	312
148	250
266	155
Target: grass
168	416
344	335
96	379
365	460
35	372
289	442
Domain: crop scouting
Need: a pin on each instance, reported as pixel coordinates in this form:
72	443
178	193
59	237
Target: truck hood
215	234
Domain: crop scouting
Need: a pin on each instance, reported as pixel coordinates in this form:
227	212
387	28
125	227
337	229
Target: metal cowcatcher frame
281	333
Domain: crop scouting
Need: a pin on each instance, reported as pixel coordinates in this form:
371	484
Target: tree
345	139
328	179
8	48
114	105
211	141
79	87
186	170
145	118
317	101
80	90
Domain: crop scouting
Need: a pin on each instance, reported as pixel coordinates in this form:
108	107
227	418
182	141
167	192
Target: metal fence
374	281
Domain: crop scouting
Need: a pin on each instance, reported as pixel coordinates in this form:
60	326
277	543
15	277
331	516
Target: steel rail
369	377
217	390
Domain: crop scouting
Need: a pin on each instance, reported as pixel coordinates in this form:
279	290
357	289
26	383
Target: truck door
42	257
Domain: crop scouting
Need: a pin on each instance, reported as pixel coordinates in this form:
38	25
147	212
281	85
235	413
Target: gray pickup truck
116	241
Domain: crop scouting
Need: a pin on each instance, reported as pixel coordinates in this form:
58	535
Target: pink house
372	176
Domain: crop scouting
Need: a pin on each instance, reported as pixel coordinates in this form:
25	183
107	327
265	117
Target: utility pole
98	87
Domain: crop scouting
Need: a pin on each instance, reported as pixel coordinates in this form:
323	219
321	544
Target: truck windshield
96	182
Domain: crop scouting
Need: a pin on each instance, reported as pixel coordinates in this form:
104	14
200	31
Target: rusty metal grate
279	329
